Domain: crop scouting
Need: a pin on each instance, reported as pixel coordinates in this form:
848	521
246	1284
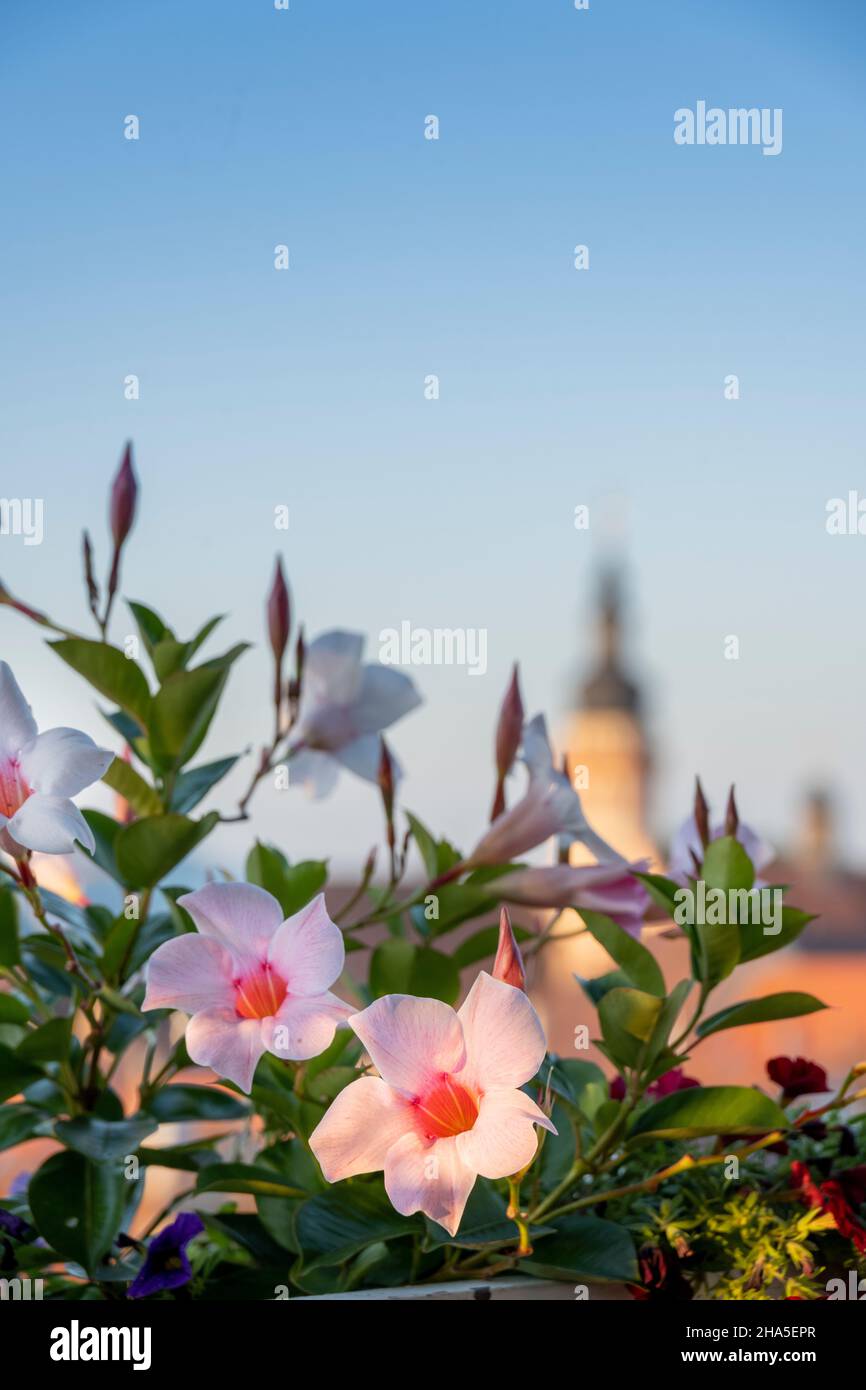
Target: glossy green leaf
9	950
630	955
191	787
104	1140
704	1110
790	1004
400	967
584	1249
78	1206
183	1102
756	941
337	1224
628	1018
148	849
110	672
123	779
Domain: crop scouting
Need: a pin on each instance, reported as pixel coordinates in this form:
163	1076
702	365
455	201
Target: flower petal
361	1125
363	755
411	1041
17	725
191	973
62	762
230	1045
384	696
332	666
505	1042
50	824
241	916
536	751
503	1139
308	949
315	771
420	1176
303	1028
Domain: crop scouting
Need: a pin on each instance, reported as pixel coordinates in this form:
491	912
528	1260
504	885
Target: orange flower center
447	1109
260	993
14	791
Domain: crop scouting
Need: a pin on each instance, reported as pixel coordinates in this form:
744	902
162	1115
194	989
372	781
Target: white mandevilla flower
39	775
344	707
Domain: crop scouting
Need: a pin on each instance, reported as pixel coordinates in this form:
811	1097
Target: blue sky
453	257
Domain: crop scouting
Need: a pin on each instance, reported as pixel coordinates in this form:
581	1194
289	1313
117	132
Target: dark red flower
661	1276
673	1080
796	1076
830	1197
617	1088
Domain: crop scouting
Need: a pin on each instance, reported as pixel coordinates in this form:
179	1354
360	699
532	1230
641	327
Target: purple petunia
166	1264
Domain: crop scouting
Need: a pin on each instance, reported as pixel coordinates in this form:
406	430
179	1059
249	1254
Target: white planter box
481	1290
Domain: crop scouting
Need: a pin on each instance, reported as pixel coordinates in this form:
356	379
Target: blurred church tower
607	750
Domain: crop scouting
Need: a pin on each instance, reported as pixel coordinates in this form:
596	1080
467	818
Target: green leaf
17	1123
292	885
628	1018
584	1249
123	779
184	706
148	849
727	865
78	1206
633	959
755	941
336	1225
150	625
426	845
705	1110
400	967
49	1043
105	830
9	952
110	672
245	1177
790	1004
582	1085
182	1102
663	891
104	1140
13	1010
182	711
191	787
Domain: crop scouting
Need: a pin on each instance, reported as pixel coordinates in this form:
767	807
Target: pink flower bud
509	730
124	492
279	616
508	965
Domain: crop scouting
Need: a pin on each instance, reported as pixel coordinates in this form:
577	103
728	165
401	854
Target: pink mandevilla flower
445	1106
607	888
39	775
251	981
344	707
550	807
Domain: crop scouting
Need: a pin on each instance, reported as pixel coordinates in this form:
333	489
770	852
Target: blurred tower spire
608	753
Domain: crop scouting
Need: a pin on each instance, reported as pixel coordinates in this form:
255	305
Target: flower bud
508	965
124	492
386	787
279	616
510	727
732	817
509	732
702	814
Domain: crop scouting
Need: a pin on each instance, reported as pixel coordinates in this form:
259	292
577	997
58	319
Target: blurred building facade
609	755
